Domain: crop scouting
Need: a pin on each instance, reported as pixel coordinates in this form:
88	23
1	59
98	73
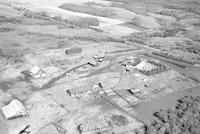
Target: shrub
43	13
12	20
139	38
6	29
39	15
28	14
97	38
170	32
83	21
58	18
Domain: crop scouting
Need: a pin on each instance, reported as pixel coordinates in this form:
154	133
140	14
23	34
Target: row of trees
183	119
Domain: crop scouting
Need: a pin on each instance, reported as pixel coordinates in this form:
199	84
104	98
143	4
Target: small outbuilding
77	92
134	91
100	56
92	63
73	50
82	70
14	109
37	72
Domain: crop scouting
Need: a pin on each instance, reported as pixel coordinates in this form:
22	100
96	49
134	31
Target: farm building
14	109
77	92
92	63
37	72
82	70
133	91
73	50
90	127
99	57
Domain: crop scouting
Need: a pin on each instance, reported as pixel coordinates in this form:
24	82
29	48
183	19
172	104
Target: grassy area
14	55
89	9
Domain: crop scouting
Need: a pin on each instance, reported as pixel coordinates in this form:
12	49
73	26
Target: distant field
143	6
75	21
93	10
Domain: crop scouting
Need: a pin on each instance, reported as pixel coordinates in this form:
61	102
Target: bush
58	18
97	38
43	13
170	32
40	15
83	21
139	38
28	14
12	20
6	29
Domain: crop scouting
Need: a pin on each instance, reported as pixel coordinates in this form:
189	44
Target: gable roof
35	70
